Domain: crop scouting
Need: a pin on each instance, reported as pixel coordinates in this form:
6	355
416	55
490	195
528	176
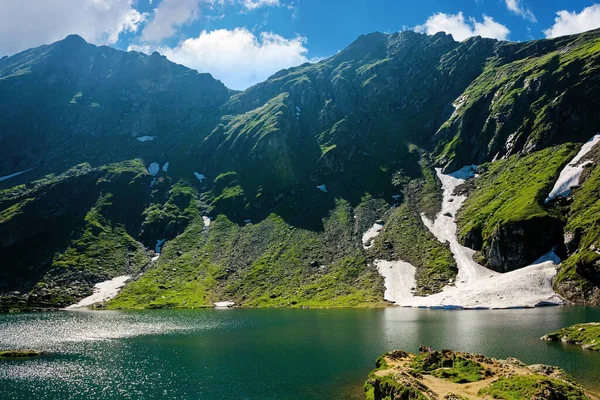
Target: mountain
71	101
263	196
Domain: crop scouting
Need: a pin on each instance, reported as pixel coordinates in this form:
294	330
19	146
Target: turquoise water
260	353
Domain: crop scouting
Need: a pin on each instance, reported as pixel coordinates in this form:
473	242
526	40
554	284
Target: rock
20	353
518	244
441	375
586	335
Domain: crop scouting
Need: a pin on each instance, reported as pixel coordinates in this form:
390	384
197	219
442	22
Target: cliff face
263	196
529	96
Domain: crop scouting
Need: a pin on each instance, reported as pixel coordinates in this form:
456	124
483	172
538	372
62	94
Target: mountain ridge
291	172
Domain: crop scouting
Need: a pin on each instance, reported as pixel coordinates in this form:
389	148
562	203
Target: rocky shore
585	335
455	375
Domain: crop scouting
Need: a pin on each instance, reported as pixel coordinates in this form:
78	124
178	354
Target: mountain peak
74	40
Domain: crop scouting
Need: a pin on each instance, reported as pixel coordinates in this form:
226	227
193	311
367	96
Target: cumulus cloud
515	7
254	4
461	28
237	57
168	16
30	23
568	23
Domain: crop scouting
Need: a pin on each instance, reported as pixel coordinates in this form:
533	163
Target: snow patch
145	138
526	287
3	178
206	220
570	175
444	226
153	182
153	168
399	279
103	291
476	286
159	244
224	304
166	167
156	257
371	234
200	177
322	188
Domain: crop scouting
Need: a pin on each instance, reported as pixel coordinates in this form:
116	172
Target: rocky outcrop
584	335
450	375
517	244
523	102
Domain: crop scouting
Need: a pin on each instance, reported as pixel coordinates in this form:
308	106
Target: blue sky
331	25
242	42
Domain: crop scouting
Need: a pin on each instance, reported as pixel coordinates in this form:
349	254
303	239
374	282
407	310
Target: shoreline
365	307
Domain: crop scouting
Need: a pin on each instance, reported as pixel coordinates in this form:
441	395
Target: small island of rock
8	354
454	375
585	335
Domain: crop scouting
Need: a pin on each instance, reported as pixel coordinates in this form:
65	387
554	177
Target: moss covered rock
455	375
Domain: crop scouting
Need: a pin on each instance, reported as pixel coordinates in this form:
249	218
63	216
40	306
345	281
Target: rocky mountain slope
263	196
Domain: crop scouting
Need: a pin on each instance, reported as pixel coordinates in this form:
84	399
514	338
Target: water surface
260	353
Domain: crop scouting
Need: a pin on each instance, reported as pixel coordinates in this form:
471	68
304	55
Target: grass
586	335
102	247
379	387
522	387
448	365
522	94
79	233
583	220
386	387
264	264
512	190
405	236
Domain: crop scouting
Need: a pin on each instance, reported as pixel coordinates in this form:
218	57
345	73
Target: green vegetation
361	122
385	386
399	375
80	226
265	264
586	335
521	387
102	247
583	222
405	236
512	190
447	365
506	204
517	98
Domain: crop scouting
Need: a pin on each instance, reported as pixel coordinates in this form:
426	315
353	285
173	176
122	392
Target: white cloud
515	7
30	23
168	16
237	57
460	28
568	23
254	4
